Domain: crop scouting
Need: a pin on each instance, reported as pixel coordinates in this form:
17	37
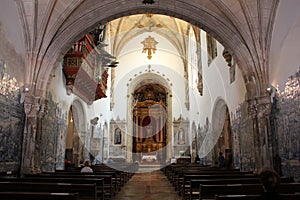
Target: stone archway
224	143
221	19
221	132
72	142
166	136
79	132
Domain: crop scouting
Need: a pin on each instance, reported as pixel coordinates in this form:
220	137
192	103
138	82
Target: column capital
259	106
94	121
35	106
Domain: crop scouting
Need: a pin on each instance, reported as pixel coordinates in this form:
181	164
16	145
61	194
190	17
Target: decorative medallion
149	46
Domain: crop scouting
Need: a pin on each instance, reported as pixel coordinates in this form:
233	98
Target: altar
149	157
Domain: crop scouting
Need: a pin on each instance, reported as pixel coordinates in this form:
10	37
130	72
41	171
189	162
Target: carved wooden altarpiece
149	117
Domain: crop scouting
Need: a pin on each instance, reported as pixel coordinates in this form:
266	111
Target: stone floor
148	186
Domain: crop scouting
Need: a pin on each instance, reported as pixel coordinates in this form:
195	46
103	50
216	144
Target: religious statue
149	132
118	136
181	136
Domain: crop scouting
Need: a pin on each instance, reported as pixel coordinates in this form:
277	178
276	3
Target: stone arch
155	78
218	115
221	130
79	116
78	21
214	128
80	127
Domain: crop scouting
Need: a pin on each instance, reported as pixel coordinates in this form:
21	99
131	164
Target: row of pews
194	181
103	184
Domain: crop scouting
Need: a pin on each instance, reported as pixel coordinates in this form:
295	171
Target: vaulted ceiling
124	29
244	27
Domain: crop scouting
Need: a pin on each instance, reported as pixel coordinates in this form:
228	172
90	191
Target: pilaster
35	109
259	110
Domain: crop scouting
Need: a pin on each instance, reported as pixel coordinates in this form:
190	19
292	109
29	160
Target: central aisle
148	186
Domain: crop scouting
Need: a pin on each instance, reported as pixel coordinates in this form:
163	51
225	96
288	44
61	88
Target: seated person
271	182
197	159
86	167
221	160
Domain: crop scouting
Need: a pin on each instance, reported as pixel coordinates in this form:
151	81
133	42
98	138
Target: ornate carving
149	121
149	46
260	107
35	110
259	110
181	135
148	1
85	62
227	56
94	121
211	48
153	92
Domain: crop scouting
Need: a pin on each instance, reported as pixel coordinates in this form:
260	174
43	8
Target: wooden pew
190	189
9	174
109	187
209	175
120	176
85	191
38	196
178	176
237	197
254	197
209	191
193	182
175	168
80	180
115	179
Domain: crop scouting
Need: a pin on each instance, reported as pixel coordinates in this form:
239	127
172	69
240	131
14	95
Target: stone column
136	125
156	132
259	110
35	108
186	84
161	120
93	147
94	123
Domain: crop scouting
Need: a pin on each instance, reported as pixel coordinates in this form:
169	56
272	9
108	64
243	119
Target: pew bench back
85	191
209	191
254	197
38	196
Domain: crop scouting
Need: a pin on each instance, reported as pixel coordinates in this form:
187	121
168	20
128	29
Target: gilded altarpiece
149	123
